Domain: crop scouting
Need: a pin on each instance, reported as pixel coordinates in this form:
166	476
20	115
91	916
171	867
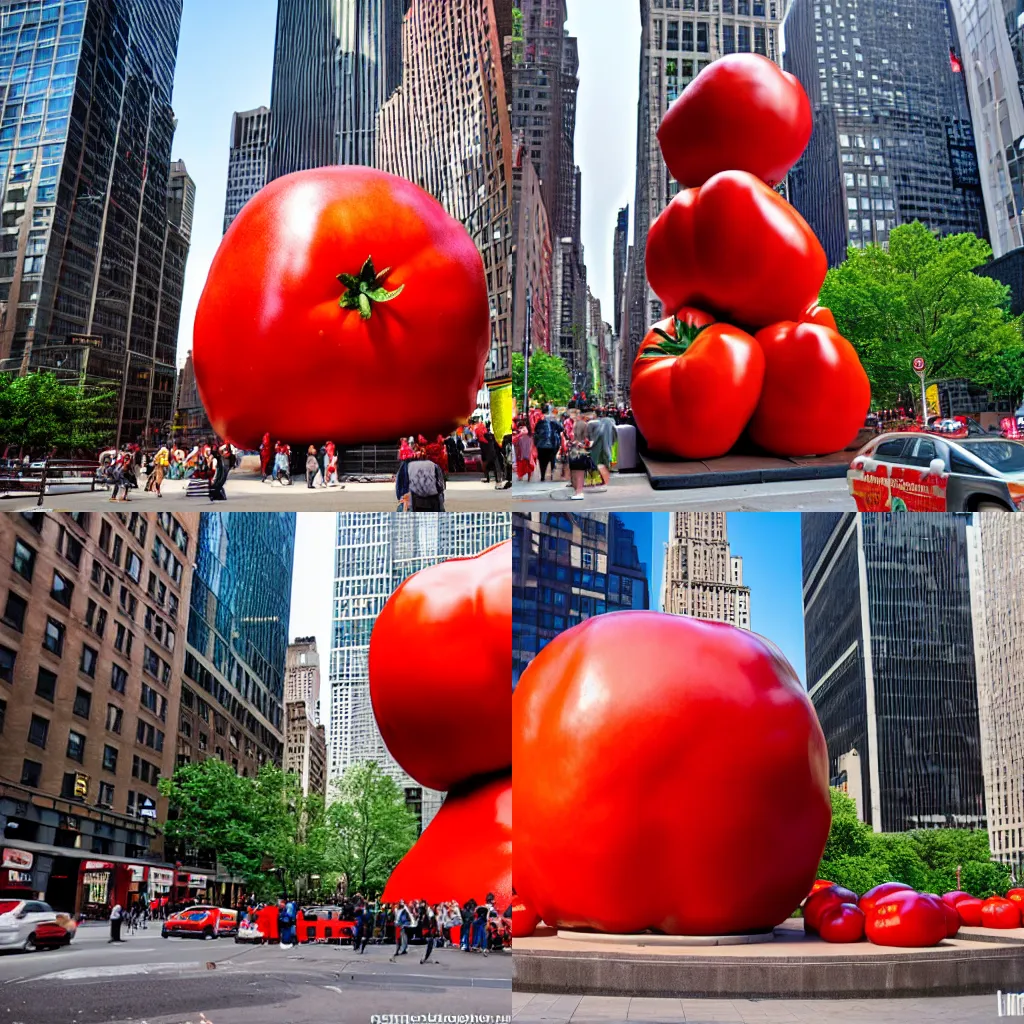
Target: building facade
891	665
85	155
893	140
620	253
996	554
232	694
678	40
375	552
92	649
335	64
191	423
305	749
531	314
247	163
566	569
302	675
702	576
446	128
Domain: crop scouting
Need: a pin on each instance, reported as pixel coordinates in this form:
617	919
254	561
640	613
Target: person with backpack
286	916
403	922
547	436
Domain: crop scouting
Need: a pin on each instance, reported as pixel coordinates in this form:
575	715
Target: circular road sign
918	364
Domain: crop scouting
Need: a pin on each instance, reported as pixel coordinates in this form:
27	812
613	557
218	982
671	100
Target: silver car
29	925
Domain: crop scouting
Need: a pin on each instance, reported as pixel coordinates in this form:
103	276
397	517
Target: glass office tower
890	665
85	154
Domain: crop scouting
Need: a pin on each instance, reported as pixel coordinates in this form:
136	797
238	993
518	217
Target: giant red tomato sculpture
815	395
843	922
466	851
823	903
742	112
906	918
524	918
343	303
999	913
1015	896
695	385
699	736
954	897
737	249
440	669
969	911
872	896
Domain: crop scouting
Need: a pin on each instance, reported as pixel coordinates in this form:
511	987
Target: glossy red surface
843	922
906	918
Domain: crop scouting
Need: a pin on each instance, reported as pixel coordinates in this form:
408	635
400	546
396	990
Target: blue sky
770	545
225	63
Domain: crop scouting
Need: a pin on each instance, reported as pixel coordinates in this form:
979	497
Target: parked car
30	925
202	921
925	472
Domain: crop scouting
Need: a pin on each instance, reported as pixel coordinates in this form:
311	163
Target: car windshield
6	906
1005	456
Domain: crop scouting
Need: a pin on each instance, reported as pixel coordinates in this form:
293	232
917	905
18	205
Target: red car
203	921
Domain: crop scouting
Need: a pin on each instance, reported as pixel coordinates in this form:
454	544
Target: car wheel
30	944
207	933
163	933
991	506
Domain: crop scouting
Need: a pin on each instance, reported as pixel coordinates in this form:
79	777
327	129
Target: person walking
547	435
159	467
286	922
312	466
266	459
429	922
403	920
600	432
221	464
480	928
454	921
466	934
116	920
282	464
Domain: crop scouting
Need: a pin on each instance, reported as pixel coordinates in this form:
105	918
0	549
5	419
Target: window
115	555
3	714
24	563
76	746
30	773
142	769
7	659
67	786
106	797
35	520
114	718
88	662
14	613
128	602
70	547
109	758
38	729
118	678
53	638
105	532
133	566
62	590
83	703
46	684
154	701
123	640
149	736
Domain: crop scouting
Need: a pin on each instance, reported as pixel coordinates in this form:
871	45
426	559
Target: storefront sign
197	881
147	809
98	865
20	878
17	859
161	876
138	872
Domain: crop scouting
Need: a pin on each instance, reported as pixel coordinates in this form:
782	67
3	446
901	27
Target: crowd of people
206	467
580	446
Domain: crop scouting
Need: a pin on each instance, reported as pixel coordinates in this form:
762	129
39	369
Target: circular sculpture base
793	966
640	941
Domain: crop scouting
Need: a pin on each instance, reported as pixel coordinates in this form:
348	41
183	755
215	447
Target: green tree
371	827
549	379
38	412
920	297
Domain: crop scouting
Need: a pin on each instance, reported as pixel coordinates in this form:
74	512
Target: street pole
920	369
526	352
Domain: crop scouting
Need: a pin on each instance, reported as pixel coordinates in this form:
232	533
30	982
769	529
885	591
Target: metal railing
51	476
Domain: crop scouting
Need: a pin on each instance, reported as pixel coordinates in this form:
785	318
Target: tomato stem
683	335
365	288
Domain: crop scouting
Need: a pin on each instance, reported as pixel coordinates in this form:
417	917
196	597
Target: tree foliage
38	412
920	297
927	859
371	827
549	379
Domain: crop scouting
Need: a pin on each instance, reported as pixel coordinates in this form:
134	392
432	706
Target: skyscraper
335	63
247	164
620	250
302	675
702	576
993	70
566	569
375	552
447	129
232	693
891	665
85	153
995	547
675	45
892	140
533	255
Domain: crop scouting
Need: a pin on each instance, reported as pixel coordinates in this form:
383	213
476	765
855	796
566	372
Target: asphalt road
174	981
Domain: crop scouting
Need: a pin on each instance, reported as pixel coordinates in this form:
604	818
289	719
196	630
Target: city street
544	1009
632	492
172	981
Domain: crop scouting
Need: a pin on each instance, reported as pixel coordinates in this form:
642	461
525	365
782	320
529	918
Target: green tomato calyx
365	288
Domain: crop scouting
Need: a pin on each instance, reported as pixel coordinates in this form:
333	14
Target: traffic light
81	786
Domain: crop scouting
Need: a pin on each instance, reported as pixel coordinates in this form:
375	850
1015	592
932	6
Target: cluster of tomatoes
894	914
440	666
746	348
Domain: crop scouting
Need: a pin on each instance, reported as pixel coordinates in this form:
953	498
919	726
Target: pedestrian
420	485
321	461
332	466
161	463
116	916
282	464
466	934
429	922
286	917
403	922
525	464
220	461
480	914
488	451
266	459
454	920
546	437
600	432
312	466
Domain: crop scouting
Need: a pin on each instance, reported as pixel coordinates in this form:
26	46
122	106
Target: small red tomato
954	897
738	249
952	920
1015	895
867	901
449	694
999	913
820	315
343	303
695	385
524	918
843	922
742	112
466	851
969	911
815	394
822	903
906	918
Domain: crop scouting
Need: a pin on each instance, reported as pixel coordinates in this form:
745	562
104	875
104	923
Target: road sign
918	365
